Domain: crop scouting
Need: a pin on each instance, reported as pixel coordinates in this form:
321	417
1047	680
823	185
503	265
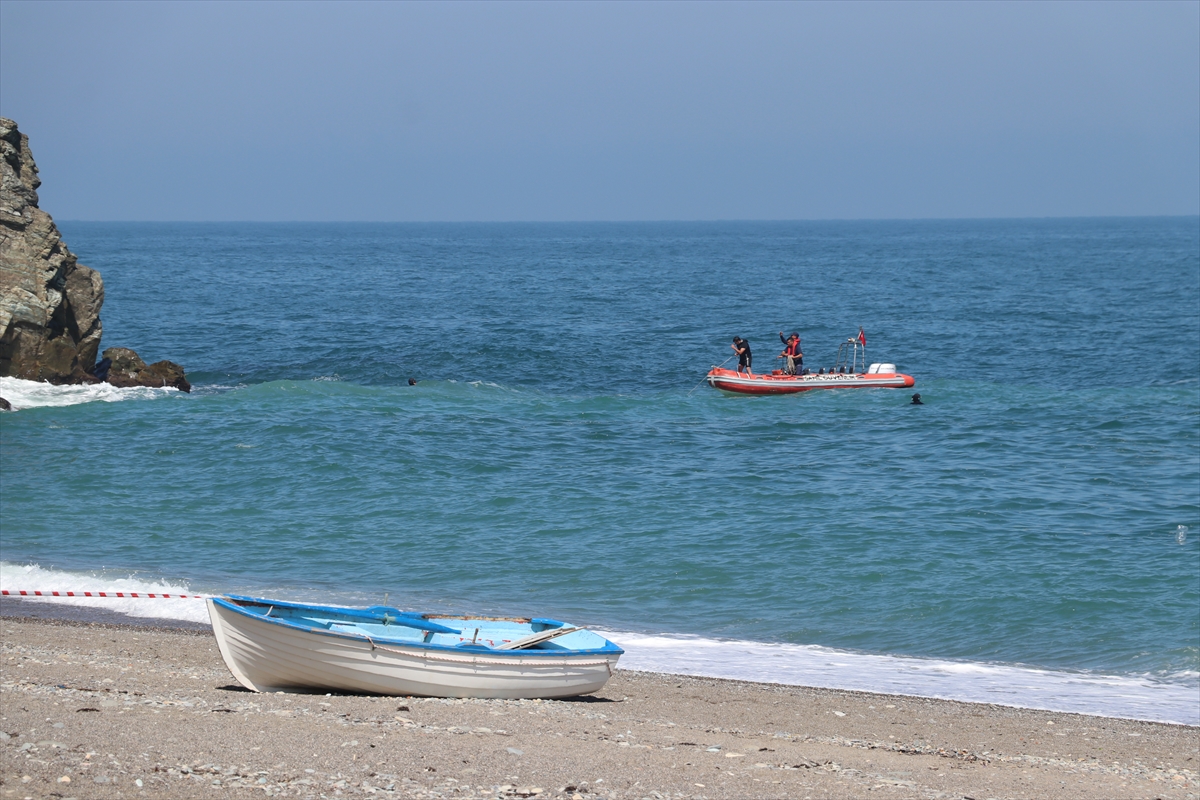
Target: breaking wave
22	394
31	577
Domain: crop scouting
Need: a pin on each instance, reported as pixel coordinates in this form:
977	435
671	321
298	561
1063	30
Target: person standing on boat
791	351
742	348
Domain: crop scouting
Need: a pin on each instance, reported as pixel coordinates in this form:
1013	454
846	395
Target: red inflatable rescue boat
850	372
883	376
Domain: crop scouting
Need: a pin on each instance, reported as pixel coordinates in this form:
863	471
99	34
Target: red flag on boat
862	337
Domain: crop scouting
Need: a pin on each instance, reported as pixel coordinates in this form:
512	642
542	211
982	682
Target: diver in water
916	401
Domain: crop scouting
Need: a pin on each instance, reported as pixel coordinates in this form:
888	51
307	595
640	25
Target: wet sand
91	709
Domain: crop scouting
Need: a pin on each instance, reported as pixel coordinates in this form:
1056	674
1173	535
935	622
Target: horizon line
619	221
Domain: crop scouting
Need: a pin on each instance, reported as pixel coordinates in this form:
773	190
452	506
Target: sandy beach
97	710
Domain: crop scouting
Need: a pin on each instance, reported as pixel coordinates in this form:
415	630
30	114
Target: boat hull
266	656
728	380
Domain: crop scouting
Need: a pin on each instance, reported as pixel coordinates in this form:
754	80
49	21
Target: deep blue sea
1031	534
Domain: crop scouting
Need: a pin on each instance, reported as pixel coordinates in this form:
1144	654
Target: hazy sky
605	111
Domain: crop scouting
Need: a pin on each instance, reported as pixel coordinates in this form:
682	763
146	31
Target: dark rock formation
5	405
49	302
128	369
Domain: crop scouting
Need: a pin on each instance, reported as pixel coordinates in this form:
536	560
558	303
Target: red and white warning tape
139	595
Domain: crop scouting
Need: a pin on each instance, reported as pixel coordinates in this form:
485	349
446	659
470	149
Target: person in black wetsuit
100	371
742	348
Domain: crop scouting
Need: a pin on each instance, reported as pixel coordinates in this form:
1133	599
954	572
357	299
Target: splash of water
24	394
1181	533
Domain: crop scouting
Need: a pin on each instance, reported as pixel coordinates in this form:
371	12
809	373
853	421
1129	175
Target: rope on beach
138	595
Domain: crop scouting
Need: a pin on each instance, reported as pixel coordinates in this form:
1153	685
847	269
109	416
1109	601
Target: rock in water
128	369
49	302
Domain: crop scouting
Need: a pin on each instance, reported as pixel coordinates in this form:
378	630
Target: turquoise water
556	456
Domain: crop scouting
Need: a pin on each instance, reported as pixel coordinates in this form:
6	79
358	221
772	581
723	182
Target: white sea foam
217	388
1175	699
34	394
31	577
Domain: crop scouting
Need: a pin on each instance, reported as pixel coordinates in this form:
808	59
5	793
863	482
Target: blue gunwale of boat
608	649
407	619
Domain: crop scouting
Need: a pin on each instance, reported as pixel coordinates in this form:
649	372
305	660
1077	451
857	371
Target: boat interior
388	624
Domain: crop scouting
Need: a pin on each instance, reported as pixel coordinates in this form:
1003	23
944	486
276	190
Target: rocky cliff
49	302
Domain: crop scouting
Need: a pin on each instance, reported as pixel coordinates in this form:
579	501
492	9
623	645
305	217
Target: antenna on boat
848	355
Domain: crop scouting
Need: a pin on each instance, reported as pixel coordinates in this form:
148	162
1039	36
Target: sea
1029	535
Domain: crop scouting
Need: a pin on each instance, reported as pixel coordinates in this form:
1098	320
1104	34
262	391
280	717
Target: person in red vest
791	351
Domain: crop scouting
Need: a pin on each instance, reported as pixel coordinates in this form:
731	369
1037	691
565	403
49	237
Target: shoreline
84	616
23	608
11	606
165	711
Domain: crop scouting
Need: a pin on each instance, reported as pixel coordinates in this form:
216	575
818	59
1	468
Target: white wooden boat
274	645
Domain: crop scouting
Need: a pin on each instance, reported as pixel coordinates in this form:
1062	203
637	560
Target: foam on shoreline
1144	697
1127	696
31	577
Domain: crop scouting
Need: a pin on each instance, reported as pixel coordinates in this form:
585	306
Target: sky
546	111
